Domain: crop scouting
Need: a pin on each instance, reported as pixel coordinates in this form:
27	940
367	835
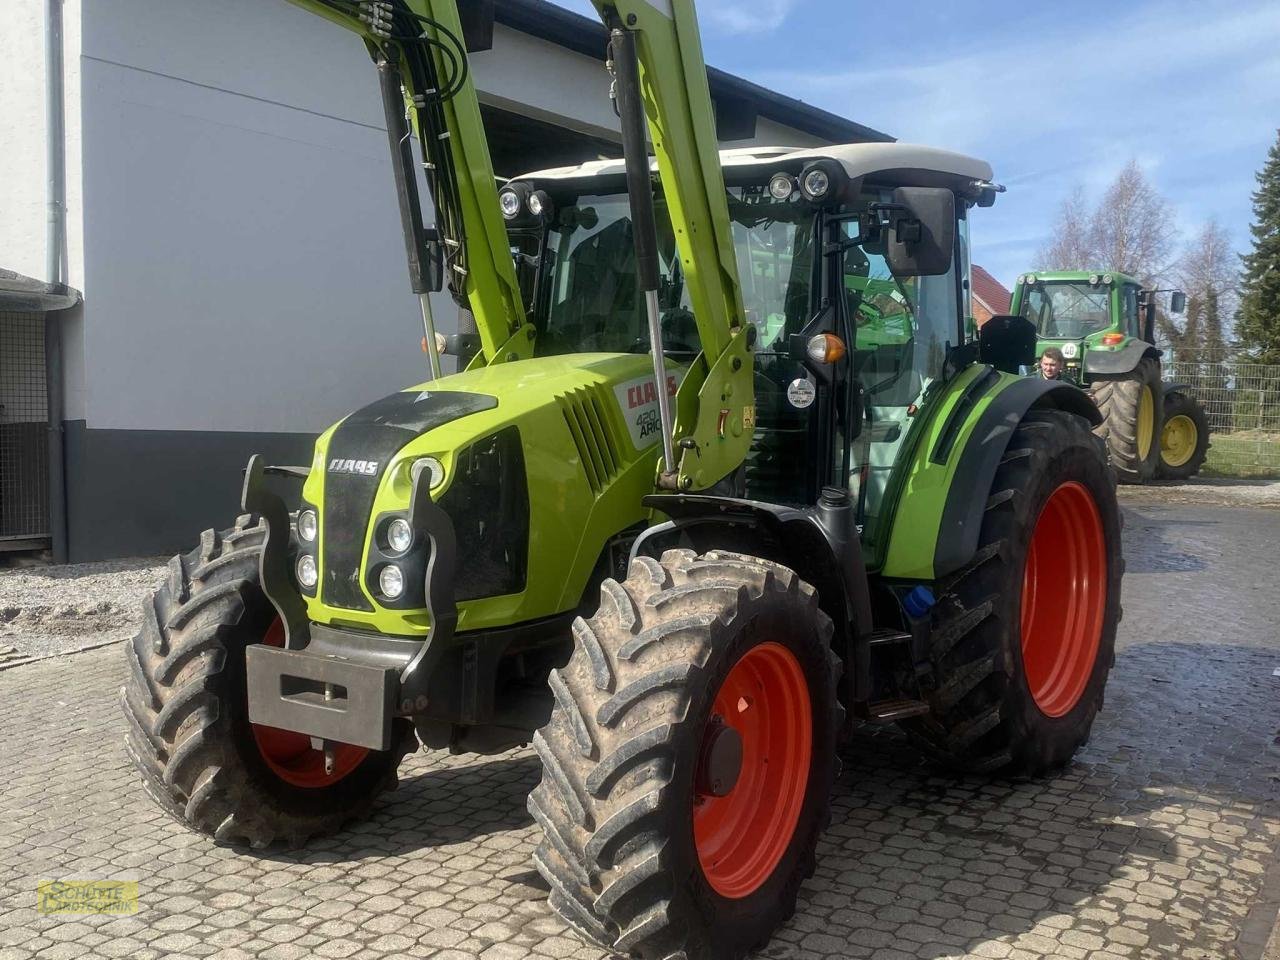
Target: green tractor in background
1104	324
722	474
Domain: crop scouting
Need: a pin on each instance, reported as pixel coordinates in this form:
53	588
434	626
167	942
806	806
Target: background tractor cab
853	264
1104	324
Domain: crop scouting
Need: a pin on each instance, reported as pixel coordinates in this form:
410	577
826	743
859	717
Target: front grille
585	415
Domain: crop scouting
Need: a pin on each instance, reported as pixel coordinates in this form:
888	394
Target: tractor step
891	711
888	684
884	637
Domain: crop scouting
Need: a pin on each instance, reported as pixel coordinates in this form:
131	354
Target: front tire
1131	407
656	842
189	733
1184	439
1023	637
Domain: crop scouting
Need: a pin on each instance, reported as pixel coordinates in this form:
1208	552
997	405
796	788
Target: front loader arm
716	412
478	267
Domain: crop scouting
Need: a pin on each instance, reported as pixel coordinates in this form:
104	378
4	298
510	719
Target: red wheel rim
291	756
741	836
1064	597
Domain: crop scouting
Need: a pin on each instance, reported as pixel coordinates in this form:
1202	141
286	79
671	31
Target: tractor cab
849	331
1097	320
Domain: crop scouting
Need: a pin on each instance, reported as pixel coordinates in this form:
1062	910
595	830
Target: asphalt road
1159	841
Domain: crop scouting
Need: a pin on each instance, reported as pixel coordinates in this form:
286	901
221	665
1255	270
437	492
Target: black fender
820	544
1112	362
976	469
1168	388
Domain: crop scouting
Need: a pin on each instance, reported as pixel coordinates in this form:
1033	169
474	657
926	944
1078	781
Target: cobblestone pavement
1157	842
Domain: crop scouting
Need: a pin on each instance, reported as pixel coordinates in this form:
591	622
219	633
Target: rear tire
1020	657
189	733
1184	438
625	828
1131	407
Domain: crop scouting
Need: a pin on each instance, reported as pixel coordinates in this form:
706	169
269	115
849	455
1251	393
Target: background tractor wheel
1023	637
688	762
1132	407
1184	439
189	733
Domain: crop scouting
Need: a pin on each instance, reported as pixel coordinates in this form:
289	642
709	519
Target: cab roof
893	162
1066	276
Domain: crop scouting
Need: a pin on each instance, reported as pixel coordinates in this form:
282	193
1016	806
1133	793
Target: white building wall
244	264
23	179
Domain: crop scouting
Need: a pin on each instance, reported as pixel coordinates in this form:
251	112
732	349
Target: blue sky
1191	90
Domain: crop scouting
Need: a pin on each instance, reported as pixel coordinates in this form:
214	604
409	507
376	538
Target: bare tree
1208	271
1070	243
1131	230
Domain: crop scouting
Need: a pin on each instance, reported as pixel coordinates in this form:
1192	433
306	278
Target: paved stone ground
1159	841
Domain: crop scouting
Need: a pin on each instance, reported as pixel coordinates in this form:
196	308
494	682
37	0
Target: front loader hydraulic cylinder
635	150
421	277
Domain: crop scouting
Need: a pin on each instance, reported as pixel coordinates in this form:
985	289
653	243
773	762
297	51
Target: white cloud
744	16
1053	104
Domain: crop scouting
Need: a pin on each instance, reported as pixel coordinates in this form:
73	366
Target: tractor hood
521	456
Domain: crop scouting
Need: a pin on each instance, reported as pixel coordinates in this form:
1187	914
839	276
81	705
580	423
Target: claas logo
647	392
364	468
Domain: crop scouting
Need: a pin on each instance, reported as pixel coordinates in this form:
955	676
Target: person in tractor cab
1051	364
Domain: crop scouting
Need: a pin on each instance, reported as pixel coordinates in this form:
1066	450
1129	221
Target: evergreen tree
1258	321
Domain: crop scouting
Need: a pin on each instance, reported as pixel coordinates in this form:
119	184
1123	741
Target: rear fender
1112	362
978	461
937	514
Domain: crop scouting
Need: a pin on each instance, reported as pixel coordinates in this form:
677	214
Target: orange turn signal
825	348
1111	339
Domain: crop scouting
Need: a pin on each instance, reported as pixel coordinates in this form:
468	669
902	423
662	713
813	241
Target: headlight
308	525
399	535
815	184
391	581
307	575
781	186
512	199
433	468
509	200
540	204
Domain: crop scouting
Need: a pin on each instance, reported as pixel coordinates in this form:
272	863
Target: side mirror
1007	342
1178	302
923	233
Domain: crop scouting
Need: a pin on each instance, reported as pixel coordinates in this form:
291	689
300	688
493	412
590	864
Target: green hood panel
588	429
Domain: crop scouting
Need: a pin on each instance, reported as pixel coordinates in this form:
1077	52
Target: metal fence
1242	401
24	430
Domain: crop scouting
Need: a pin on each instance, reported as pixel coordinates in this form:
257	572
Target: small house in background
988	297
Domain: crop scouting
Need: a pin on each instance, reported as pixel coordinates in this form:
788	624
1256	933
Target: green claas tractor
722	475
1104	324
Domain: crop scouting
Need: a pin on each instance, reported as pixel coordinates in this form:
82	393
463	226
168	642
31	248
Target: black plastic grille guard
273	565
426	518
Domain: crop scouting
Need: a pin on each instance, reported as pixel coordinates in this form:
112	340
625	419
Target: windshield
1067	311
589	303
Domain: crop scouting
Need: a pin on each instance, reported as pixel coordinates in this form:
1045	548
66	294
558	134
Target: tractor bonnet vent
585	413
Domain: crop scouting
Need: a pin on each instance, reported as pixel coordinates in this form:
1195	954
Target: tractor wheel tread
188	734
982	718
1118	400
1181	404
639	666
